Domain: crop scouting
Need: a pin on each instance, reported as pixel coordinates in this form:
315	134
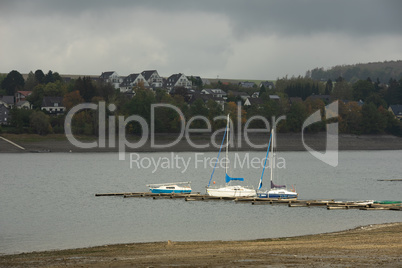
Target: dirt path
369	246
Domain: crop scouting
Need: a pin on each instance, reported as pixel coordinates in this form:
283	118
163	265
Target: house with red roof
21	95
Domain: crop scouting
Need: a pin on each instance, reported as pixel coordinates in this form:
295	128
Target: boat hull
169	188
169	191
232	191
275	193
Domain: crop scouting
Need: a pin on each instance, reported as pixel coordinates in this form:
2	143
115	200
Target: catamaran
276	191
228	190
172	187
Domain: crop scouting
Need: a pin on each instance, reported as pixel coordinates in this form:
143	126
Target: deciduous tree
72	99
40	123
362	89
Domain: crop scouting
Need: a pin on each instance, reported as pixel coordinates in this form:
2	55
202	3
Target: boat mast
227	145
272	152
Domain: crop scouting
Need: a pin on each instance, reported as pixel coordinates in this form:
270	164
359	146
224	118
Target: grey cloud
360	17
232	38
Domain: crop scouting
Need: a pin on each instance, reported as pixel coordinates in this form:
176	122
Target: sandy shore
368	246
285	142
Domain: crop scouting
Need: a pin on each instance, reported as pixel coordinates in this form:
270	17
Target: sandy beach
367	246
286	142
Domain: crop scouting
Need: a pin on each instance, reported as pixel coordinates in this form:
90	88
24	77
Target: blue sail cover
228	179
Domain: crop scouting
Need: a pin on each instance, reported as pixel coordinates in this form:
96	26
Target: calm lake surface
48	200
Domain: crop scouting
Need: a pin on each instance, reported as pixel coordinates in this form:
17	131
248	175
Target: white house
247	84
53	105
215	92
131	81
255	94
153	78
24	104
274	97
267	85
178	80
242	95
112	78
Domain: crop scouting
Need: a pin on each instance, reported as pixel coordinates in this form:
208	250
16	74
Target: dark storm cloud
360	17
231	38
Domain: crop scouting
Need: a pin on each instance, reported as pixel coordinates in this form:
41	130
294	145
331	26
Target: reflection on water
47	200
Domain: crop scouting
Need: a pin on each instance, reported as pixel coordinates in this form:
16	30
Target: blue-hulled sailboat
172	187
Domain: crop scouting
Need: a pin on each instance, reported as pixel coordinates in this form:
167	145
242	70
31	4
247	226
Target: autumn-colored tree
350	117
313	105
232	109
72	99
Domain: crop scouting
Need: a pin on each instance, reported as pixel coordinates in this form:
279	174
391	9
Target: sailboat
276	191
172	187
228	190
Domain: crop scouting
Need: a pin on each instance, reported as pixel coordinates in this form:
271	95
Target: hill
384	71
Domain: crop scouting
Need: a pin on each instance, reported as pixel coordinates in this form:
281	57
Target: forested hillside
384	71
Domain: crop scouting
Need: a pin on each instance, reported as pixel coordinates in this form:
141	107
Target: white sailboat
276	191
228	190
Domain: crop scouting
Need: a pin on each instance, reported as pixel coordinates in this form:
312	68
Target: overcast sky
226	38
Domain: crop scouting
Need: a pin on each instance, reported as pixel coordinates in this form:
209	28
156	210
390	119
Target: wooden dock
329	204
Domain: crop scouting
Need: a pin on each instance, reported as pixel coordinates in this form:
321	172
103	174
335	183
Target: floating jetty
329	204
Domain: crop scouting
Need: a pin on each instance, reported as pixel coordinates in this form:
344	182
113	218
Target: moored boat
276	191
173	187
228	190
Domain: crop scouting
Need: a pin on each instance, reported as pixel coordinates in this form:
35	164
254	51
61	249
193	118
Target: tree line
384	71
363	105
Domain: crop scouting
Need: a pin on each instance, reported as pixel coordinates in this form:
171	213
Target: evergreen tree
362	89
49	78
40	76
31	82
262	91
328	87
13	82
372	120
86	88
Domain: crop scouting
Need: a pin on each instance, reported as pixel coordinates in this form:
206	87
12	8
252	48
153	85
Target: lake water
48	200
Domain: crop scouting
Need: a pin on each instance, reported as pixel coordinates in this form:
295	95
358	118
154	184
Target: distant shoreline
286	142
